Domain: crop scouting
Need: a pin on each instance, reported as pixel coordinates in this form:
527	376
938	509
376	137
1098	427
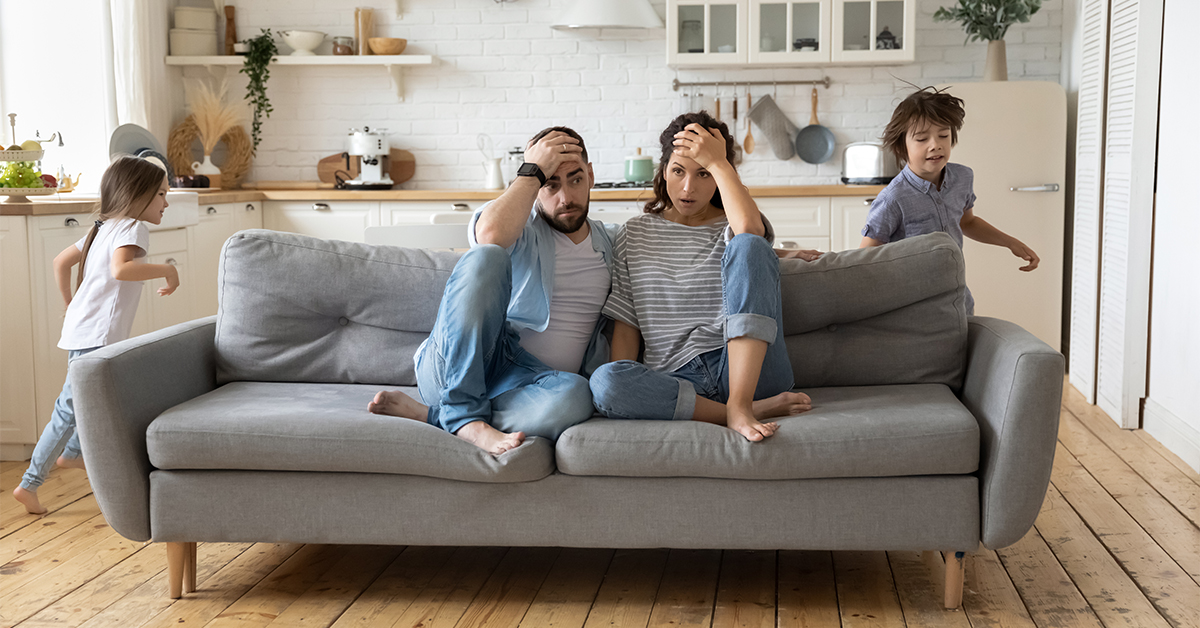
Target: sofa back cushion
301	309
891	314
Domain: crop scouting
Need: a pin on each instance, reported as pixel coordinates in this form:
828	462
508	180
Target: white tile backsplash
500	69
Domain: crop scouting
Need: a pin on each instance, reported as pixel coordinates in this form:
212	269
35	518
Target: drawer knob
789	244
868	202
212	210
71	222
460	207
171	261
321	207
249	207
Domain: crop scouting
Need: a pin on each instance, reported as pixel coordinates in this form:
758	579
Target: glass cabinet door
873	30
706	32
789	32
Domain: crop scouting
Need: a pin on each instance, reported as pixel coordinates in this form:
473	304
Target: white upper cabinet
716	33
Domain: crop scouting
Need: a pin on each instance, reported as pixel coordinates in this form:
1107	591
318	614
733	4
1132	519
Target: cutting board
401	166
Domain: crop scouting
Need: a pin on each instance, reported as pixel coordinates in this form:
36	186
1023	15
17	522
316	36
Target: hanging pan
814	143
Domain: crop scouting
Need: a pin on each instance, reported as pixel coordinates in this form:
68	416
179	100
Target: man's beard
568	225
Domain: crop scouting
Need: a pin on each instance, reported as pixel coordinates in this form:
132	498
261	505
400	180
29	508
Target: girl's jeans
472	367
750	281
59	437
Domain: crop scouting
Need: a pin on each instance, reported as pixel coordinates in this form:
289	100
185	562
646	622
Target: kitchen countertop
72	204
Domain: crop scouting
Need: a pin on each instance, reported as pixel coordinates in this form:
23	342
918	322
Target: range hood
609	14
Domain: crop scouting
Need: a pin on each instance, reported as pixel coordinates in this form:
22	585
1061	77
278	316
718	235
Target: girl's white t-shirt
102	310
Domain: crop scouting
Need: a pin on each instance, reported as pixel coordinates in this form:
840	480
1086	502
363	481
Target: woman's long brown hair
126	190
661	200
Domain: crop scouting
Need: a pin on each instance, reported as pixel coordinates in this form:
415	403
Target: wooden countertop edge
61	206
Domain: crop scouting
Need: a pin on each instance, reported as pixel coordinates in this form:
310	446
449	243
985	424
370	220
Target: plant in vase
989	20
214	117
261	50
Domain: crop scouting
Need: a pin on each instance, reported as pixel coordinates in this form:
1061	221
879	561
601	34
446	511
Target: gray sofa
930	431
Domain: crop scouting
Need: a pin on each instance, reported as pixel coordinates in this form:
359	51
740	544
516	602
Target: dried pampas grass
213	115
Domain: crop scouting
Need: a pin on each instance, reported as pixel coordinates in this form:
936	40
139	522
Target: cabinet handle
70	222
249	207
1049	187
460	207
212	210
171	261
868	202
321	207
789	244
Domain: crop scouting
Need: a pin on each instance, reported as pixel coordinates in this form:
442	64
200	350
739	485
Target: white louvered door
1131	129
1089	173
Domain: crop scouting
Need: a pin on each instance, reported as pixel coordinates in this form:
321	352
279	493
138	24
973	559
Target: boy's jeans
472	367
750	281
59	437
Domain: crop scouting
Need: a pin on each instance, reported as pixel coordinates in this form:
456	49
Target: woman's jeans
59	437
750	282
472	367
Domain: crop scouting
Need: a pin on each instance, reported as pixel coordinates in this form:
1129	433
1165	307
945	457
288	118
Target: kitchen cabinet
799	223
217	223
330	220
716	33
849	217
17	399
395	213
154	311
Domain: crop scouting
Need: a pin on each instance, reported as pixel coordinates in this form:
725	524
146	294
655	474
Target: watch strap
530	169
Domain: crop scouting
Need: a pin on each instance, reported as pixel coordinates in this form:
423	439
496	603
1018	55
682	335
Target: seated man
519	324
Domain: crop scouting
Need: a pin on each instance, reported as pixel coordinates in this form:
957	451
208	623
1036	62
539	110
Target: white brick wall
500	69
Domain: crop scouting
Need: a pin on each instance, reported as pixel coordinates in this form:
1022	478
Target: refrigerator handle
1049	187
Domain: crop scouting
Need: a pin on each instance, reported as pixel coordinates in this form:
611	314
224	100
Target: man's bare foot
70	463
488	438
396	403
745	424
29	500
783	404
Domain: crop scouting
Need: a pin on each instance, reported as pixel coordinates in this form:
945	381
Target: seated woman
697	279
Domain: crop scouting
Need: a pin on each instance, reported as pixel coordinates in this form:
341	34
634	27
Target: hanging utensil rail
676	84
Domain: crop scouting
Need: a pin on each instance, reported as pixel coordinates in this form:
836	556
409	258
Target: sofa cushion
891	314
868	431
324	427
301	309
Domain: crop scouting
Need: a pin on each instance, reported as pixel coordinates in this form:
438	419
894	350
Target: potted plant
989	20
261	50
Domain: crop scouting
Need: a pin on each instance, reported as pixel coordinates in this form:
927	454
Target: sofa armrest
1013	387
119	390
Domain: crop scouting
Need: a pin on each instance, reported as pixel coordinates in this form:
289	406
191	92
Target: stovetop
605	185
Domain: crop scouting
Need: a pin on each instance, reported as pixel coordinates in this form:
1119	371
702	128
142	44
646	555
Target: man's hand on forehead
552	151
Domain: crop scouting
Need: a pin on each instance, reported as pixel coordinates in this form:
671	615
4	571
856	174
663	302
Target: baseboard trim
1173	432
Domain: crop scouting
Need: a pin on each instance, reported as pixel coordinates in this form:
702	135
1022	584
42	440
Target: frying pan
814	143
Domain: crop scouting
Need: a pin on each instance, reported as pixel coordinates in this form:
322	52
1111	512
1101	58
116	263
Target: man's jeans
472	367
750	282
59	437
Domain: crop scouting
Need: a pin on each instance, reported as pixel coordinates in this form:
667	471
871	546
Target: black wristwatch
530	169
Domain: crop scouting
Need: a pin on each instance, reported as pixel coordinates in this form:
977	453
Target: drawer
171	241
805	216
801	242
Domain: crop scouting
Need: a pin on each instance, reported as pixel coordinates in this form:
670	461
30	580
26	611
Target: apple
49	181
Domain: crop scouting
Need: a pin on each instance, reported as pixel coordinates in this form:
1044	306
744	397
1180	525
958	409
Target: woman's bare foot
783	404
70	463
488	438
29	500
396	403
745	424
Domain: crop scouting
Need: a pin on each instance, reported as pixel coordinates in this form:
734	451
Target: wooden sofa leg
176	559
189	568
954	580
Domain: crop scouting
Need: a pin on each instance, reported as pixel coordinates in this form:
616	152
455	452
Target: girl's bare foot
70	463
29	500
783	404
398	404
488	438
745	424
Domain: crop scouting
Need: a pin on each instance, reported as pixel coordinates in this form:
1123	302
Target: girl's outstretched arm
125	267
981	230
63	263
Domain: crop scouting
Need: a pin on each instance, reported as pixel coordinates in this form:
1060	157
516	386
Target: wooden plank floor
1117	543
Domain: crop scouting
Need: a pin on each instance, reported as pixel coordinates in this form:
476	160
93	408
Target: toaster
868	163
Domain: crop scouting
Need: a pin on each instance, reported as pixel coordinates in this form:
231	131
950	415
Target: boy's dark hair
930	104
546	131
667	140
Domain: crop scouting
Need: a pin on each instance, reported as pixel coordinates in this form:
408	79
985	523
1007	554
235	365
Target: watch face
528	169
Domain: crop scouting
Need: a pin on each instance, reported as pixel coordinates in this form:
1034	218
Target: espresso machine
371	147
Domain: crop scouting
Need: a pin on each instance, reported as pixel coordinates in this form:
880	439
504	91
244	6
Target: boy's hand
1019	249
172	283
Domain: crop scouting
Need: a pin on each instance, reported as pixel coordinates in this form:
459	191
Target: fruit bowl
21	155
303	43
18	195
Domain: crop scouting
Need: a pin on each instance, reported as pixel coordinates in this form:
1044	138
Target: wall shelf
394	63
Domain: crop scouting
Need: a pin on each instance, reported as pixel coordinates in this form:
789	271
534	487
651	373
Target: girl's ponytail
126	190
87	246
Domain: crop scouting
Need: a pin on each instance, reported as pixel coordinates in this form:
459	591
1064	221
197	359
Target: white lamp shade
610	14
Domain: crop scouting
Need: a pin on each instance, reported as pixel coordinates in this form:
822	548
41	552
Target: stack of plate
195	32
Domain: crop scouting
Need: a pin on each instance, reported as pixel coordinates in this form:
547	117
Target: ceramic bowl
303	42
387	45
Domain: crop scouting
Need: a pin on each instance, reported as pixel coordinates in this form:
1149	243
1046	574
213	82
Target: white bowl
188	43
303	42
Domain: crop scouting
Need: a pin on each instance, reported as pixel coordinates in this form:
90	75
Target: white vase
208	169
996	67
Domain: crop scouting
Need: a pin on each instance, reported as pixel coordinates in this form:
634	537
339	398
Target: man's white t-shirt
101	312
581	285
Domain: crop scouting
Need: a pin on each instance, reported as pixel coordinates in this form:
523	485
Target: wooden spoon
748	145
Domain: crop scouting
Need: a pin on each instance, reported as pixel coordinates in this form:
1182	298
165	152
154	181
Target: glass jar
691	36
343	45
512	161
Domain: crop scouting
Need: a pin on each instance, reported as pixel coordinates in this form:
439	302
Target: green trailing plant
988	19
256	67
